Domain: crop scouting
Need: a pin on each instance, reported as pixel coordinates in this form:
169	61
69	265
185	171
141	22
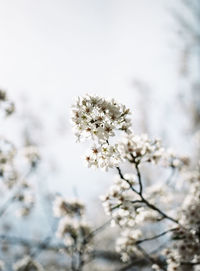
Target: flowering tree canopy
130	202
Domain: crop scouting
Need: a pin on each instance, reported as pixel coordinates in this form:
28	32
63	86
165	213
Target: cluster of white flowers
72	227
7	150
128	212
62	207
117	201
126	243
170	159
26	198
10	174
27	263
7	107
72	231
31	152
125	206
98	119
128	205
186	246
10	169
7	169
103	156
137	148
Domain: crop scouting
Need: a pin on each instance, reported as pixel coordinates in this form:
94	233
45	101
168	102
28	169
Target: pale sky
52	51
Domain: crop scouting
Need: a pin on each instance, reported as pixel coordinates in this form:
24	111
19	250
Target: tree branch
143	199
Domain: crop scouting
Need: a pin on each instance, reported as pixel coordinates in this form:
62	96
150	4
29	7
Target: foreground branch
153	207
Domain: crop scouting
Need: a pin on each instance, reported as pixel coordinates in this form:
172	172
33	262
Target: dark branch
156	236
144	200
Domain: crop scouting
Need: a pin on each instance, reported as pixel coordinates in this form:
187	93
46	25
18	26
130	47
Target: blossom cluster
103	156
127	211
6	106
185	249
12	170
126	243
186	246
31	153
7	169
140	148
27	263
73	229
99	119
12	176
26	199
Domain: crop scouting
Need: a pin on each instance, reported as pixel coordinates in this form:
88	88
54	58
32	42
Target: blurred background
143	53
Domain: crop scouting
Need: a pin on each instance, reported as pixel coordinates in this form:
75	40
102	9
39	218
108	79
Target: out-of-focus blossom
137	148
27	263
126	243
63	207
6	106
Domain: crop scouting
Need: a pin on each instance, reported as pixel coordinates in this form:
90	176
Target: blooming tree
130	203
153	219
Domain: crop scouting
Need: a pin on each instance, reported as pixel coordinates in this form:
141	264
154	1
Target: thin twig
150	259
146	201
156	236
14	240
139	178
190	263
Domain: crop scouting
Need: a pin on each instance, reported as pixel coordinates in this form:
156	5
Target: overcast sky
53	50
